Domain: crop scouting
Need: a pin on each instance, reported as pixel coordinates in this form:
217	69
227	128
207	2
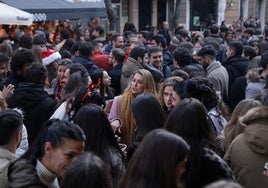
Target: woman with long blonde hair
120	116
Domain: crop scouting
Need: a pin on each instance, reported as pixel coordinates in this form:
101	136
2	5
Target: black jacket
236	66
237	92
11	79
115	74
88	63
211	168
36	105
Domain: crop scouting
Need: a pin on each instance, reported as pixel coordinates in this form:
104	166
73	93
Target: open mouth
134	88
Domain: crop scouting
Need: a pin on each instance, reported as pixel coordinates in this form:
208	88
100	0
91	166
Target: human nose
134	83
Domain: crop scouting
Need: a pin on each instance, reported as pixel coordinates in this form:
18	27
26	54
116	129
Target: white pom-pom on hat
50	56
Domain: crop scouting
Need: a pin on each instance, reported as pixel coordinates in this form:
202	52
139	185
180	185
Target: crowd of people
135	109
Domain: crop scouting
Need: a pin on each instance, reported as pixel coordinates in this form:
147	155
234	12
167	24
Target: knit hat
38	40
50	56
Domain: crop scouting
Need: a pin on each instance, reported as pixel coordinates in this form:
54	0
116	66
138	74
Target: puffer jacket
248	153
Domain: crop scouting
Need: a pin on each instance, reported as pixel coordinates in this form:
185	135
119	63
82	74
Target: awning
10	15
47	10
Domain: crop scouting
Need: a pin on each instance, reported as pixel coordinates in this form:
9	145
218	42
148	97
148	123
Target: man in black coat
116	60
85	57
31	97
165	32
236	66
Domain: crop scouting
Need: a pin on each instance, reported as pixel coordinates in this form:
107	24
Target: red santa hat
50	56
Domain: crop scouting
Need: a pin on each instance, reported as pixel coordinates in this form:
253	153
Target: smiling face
119	42
156	59
137	84
57	160
61	70
57	39
229	37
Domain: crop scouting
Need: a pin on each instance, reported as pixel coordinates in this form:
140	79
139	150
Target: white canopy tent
10	15
50	10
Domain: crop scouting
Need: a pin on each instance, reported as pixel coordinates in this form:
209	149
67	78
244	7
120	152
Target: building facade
193	14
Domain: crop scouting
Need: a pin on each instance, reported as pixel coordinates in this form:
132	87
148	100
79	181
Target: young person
159	161
58	145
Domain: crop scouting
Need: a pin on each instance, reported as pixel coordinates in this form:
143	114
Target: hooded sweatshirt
36	105
249	151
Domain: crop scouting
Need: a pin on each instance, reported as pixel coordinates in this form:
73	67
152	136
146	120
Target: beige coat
6	158
248	153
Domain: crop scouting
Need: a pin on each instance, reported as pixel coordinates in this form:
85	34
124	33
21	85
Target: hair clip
93	86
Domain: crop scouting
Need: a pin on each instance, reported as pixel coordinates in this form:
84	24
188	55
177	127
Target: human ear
48	148
139	59
18	136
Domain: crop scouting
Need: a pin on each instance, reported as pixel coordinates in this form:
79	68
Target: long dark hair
189	120
153	165
83	97
78	79
93	120
88	171
97	76
148	114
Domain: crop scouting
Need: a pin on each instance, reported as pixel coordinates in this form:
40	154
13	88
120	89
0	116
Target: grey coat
219	78
128	69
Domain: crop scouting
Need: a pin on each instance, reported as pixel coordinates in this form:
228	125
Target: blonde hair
125	102
169	82
148	81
